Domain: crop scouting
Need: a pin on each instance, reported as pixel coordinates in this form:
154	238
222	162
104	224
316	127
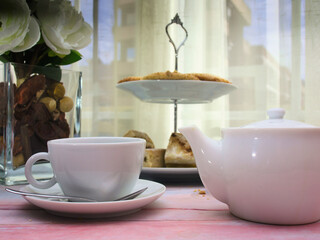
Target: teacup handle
28	171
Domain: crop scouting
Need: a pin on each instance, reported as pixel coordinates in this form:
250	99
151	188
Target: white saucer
96	209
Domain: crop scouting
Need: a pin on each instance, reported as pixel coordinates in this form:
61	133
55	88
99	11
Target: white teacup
99	168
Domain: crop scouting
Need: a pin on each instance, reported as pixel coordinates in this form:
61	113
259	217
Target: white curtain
312	62
269	49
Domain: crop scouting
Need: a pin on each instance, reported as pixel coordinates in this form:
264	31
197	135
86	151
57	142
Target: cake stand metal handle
178	21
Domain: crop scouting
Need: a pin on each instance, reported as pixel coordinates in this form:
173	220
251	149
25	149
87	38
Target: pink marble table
181	213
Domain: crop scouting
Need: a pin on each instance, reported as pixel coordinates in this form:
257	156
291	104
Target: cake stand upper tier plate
184	91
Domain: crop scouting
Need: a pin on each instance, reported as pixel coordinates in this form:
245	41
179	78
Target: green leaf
51	72
53	59
41	41
73	57
54	54
4	58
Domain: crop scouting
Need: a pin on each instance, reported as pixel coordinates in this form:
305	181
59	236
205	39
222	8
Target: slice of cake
154	157
137	134
179	153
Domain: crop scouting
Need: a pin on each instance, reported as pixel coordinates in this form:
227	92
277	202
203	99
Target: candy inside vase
37	104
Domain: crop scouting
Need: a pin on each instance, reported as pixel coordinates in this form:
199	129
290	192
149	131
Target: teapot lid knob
276	113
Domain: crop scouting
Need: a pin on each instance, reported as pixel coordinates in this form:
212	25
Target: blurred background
269	49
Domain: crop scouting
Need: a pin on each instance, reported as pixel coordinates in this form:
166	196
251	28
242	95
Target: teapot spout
209	159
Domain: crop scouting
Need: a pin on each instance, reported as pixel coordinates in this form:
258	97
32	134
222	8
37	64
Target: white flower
63	28
31	38
14	23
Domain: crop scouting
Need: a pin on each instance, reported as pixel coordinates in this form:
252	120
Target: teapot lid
276	121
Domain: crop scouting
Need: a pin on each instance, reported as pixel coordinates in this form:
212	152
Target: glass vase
37	104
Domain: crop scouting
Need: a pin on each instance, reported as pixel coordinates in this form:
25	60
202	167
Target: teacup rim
70	141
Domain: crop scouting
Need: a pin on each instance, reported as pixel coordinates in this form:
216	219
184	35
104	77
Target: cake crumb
202	192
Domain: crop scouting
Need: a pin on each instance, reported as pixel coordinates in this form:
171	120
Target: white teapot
266	172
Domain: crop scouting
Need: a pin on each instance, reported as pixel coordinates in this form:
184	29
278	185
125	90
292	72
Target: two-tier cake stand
176	91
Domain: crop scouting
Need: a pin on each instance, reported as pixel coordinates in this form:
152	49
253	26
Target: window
268	48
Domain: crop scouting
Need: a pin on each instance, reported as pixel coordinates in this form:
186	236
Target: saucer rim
138	198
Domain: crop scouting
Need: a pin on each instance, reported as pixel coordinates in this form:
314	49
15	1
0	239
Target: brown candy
29	88
55	115
56	90
18	160
4	102
25	141
37	118
50	103
17	146
65	104
50	130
